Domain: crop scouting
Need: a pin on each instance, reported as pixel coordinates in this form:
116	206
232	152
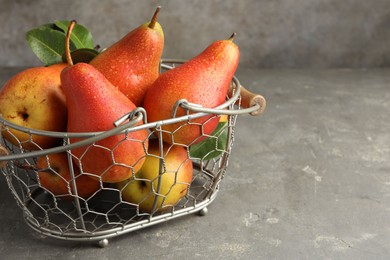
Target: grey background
307	180
271	34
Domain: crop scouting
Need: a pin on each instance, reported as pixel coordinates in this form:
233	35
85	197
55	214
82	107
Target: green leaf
81	36
48	25
47	43
213	146
82	55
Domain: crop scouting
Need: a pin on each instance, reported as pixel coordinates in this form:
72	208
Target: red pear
94	104
133	63
203	80
54	175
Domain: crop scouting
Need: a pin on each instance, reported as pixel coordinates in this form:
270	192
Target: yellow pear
33	98
174	180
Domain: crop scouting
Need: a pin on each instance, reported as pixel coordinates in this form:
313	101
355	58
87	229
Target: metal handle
250	102
120	128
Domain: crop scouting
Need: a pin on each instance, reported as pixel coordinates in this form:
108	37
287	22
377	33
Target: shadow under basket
105	214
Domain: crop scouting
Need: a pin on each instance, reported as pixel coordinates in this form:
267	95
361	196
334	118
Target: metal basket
104	214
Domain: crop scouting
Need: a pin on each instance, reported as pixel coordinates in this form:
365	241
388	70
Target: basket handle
250	99
251	103
120	127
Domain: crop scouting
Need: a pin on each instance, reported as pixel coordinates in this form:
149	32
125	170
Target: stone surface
309	179
271	34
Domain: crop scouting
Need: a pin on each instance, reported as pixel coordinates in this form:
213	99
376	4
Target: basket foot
203	212
103	243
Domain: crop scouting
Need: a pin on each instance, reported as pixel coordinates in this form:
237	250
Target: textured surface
283	33
307	180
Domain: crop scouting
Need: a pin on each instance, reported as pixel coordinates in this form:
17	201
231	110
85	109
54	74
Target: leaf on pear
81	36
81	55
48	44
213	146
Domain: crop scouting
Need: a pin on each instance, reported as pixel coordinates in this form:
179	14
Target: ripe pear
33	98
174	180
54	175
132	64
203	80
94	104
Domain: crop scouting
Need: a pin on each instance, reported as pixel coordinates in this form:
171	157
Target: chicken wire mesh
87	207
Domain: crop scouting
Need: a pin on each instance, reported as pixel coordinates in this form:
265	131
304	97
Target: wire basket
103	213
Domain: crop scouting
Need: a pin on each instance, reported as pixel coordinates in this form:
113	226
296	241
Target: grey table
309	179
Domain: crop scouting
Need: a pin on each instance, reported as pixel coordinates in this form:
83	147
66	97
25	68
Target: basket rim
128	122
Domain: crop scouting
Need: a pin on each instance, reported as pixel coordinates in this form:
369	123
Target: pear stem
67	43
232	37
154	18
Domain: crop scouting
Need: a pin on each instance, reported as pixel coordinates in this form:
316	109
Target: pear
55	176
152	186
33	98
203	80
132	63
94	104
